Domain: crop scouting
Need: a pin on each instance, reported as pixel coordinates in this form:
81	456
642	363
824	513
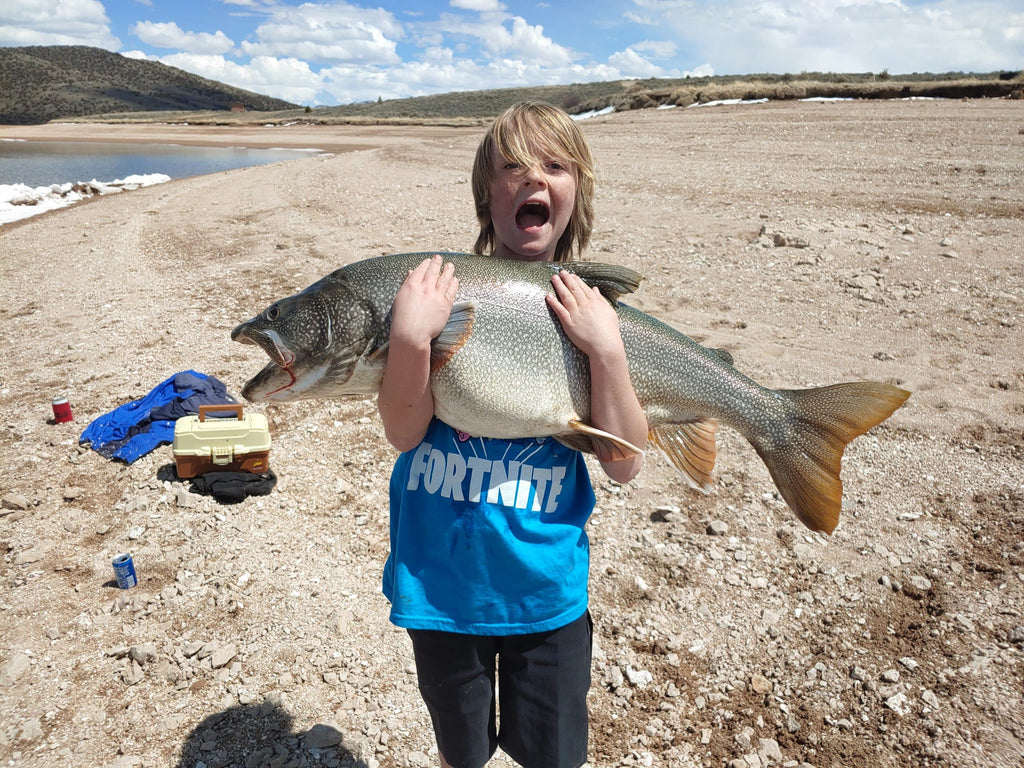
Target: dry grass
474	108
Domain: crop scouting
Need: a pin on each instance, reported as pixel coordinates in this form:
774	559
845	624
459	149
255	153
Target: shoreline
325	138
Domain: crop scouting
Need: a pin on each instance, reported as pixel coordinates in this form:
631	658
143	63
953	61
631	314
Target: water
41	163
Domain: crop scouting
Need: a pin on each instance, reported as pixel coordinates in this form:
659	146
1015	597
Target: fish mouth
267	340
532	213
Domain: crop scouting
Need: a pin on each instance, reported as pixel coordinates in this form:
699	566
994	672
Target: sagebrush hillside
41	83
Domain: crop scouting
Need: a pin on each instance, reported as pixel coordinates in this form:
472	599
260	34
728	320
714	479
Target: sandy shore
334	138
816	242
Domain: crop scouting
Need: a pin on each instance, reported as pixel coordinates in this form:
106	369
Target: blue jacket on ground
136	428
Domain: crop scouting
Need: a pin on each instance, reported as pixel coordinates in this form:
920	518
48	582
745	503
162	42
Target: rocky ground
818	242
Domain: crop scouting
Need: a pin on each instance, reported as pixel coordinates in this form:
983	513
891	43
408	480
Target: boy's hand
587	318
424	302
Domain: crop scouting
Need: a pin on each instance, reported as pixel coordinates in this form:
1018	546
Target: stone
14	501
760	684
220	657
717	528
18	667
770	749
29	731
899	703
143	654
321	736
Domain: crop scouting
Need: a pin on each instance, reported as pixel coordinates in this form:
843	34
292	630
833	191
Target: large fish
502	367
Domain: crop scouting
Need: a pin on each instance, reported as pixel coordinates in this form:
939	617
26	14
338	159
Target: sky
325	52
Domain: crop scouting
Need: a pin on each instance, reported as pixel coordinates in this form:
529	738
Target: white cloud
288	79
749	36
170	35
56	22
331	33
495	39
631	64
481	6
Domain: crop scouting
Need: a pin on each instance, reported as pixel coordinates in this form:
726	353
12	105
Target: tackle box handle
235	408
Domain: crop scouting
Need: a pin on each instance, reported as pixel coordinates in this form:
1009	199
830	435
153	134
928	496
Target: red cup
61	410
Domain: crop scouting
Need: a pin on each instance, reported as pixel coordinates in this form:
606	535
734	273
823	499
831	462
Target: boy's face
531	207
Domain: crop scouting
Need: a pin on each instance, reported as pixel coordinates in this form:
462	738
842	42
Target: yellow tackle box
220	443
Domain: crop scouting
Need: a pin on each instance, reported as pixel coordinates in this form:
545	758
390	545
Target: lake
41	163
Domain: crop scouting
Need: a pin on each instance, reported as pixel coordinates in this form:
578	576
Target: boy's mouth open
532	214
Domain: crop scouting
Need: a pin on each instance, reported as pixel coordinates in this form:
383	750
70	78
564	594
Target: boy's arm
420	311
591	324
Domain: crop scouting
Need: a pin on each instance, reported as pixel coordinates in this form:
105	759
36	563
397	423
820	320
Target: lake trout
503	368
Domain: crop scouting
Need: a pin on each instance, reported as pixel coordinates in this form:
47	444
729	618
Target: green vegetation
38	84
42	83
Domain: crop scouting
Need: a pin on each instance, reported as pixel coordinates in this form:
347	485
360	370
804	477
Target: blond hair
513	135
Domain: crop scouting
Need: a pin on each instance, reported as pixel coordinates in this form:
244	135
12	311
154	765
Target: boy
495	597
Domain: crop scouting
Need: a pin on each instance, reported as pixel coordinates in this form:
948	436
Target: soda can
61	410
124	571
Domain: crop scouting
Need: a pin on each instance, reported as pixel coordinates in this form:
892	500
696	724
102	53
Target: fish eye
273	312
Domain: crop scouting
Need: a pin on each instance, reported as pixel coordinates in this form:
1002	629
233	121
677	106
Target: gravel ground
817	242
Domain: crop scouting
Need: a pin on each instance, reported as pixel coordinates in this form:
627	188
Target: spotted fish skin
503	368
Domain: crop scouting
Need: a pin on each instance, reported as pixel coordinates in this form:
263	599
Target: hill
41	83
625	95
477	107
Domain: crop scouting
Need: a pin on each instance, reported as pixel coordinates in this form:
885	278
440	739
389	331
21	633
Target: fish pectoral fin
376	353
613	280
690	447
456	333
588	439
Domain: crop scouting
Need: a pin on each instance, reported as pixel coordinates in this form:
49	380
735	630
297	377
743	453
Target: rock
899	703
639	677
18	667
14	501
29	731
321	736
717	528
34	554
789	241
891	676
133	674
760	684
220	657
143	654
769	748
917	587
1016	635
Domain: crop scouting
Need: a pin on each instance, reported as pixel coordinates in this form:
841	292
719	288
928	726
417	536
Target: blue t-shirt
487	536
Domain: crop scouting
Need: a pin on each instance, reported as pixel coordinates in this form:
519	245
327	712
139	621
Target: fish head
320	343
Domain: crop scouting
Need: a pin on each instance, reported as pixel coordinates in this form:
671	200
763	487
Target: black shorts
542	684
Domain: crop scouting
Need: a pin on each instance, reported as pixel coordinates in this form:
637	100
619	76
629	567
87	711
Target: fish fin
588	439
806	467
453	336
376	353
613	280
723	354
690	447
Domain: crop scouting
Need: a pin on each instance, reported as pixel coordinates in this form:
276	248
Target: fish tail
805	462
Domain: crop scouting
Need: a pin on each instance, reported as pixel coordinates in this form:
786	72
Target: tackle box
205	443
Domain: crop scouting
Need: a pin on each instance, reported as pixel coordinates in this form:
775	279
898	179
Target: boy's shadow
262	736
